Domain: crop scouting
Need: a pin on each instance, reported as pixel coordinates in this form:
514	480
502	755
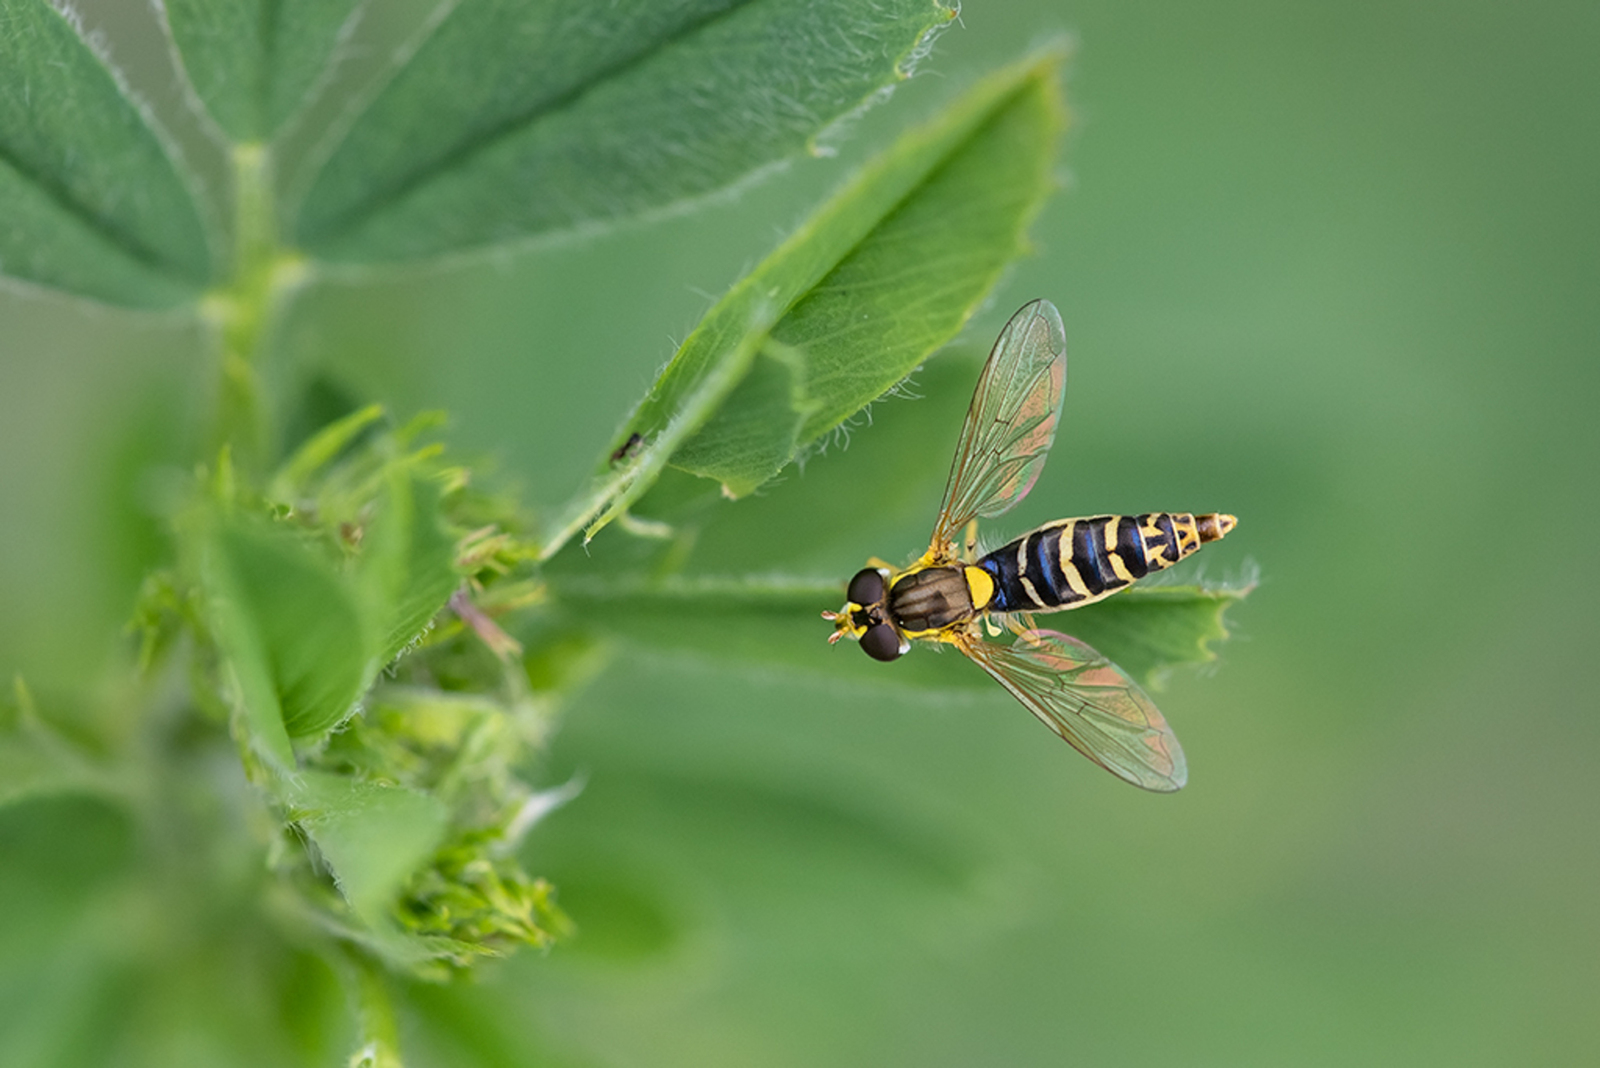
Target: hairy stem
264	279
379	1044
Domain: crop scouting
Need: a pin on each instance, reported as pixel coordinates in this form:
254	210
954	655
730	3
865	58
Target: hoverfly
950	596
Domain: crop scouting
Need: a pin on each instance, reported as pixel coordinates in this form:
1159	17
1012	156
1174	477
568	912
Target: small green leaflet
873	282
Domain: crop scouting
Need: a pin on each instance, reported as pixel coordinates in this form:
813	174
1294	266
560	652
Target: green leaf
320	450
876	280
766	414
91	202
968	186
409	561
291	628
517	118
773	622
35	761
724	347
373	837
254	63
1150	629
246	659
407	569
875	494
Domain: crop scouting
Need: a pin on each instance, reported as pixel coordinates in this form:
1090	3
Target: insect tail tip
1214	525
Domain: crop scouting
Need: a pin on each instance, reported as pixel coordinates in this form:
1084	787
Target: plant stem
265	277
380	1038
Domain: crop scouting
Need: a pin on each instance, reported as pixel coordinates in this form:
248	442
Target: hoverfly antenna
841	623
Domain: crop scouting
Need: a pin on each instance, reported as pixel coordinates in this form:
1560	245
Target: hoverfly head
865	617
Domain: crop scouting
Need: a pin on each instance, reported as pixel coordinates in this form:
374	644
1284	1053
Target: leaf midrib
94	221
463	153
261	90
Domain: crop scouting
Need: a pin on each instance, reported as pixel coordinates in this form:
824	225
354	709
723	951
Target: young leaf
320	450
255	62
373	837
292	629
246	660
409	561
90	201
517	118
880	276
977	175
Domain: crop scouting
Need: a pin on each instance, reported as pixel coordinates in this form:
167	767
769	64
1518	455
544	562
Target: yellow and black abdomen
1074	562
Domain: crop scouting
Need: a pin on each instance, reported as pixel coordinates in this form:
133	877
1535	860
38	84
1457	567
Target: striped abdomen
1074	562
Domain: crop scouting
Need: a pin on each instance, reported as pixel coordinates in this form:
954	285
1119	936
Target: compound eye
866	588
881	642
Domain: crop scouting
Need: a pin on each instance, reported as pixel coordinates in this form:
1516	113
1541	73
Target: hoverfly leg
1020	622
970	542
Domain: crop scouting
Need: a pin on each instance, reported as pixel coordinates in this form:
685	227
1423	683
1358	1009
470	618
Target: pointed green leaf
320	450
292	629
90	200
254	63
774	622
373	837
968	184
246	661
880	276
765	414
517	118
408	563
723	349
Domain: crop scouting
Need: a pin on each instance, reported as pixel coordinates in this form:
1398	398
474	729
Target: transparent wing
1090	702
1010	423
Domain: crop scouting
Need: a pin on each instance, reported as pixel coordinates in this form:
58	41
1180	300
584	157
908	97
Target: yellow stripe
1188	538
1064	546
1022	573
1069	570
1074	579
1154	541
1111	550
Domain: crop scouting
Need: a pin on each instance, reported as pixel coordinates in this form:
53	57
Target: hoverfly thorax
931	599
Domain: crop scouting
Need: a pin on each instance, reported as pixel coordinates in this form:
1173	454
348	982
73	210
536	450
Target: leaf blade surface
91	200
518	118
255	62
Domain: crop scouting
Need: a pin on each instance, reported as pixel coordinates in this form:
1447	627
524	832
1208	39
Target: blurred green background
1330	268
